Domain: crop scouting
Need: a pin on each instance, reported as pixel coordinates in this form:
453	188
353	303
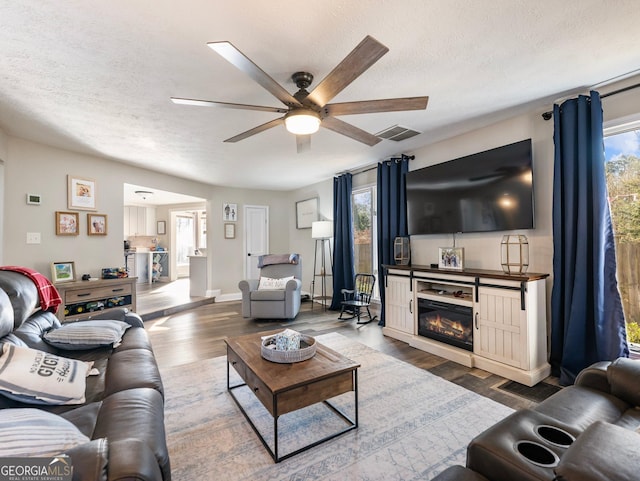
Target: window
185	238
202	229
622	170
365	245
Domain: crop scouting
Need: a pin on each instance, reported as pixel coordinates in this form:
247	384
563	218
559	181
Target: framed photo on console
63	272
451	258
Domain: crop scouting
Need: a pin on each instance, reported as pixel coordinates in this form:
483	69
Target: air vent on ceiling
397	133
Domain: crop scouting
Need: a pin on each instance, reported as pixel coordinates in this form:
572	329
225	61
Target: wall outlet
33	237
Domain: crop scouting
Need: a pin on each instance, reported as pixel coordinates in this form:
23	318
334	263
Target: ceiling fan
306	111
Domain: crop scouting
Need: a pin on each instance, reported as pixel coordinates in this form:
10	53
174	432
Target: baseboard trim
234	296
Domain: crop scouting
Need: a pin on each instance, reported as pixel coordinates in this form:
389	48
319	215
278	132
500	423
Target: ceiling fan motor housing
302	79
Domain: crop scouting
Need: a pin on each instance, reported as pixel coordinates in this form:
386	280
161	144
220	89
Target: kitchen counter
140	263
198	276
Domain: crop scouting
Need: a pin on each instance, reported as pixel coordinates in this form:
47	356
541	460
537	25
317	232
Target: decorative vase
401	251
514	253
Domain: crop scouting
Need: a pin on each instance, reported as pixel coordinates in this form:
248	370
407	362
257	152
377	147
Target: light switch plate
33	237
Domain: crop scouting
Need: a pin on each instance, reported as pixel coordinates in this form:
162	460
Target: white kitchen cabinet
139	221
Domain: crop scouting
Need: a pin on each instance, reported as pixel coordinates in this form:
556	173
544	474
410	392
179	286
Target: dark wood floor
199	333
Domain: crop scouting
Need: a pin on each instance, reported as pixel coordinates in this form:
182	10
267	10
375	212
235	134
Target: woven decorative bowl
307	350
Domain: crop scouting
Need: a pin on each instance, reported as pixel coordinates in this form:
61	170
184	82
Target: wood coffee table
283	388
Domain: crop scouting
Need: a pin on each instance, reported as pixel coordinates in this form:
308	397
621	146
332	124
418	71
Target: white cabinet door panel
398	304
499	326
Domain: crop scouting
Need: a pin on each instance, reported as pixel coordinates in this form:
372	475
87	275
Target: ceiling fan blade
374	106
360	59
303	143
211	103
256	130
349	130
234	56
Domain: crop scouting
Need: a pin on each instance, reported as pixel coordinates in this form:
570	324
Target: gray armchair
273	303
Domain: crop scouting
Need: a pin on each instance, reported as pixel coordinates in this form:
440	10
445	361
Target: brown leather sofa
124	406
586	432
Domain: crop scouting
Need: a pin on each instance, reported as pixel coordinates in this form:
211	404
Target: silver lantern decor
514	256
401	251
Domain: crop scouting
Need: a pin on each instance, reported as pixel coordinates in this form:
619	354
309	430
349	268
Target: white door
256	237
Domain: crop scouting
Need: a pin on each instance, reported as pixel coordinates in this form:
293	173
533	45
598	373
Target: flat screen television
483	192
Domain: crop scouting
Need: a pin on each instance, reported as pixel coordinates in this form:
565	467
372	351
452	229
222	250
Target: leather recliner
589	431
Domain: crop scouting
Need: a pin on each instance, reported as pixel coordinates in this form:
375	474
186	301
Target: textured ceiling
96	77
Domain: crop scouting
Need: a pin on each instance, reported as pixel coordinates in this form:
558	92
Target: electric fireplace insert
446	322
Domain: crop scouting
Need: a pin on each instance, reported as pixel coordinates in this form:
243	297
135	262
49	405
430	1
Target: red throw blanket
49	296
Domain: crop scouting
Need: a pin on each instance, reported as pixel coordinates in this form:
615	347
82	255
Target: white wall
39	169
226	257
482	250
301	241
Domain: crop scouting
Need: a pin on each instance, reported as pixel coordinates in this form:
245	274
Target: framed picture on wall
306	213
229	231
96	224
229	212
81	193
67	223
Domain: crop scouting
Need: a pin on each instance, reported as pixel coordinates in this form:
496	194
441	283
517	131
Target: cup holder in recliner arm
554	435
537	454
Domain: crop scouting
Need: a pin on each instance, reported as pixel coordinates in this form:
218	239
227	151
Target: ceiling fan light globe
302	122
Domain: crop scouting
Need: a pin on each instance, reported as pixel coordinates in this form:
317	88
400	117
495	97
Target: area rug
412	424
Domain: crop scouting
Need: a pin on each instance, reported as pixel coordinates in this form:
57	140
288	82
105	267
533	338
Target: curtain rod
367	169
549	114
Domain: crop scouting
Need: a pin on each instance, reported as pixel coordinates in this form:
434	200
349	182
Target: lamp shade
322	229
302	121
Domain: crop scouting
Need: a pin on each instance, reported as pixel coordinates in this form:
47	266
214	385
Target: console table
82	299
509	321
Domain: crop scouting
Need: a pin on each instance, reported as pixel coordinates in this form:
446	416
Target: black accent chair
359	298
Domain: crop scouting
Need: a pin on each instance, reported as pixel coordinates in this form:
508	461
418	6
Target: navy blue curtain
392	214
343	271
587	321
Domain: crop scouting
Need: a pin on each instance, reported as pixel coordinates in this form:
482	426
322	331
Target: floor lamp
321	232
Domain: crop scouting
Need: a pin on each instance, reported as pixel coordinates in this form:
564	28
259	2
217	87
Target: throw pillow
87	334
267	283
39	377
32	432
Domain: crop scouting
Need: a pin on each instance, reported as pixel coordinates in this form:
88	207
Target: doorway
158	229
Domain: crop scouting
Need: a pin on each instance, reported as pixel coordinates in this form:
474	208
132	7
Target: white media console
479	318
